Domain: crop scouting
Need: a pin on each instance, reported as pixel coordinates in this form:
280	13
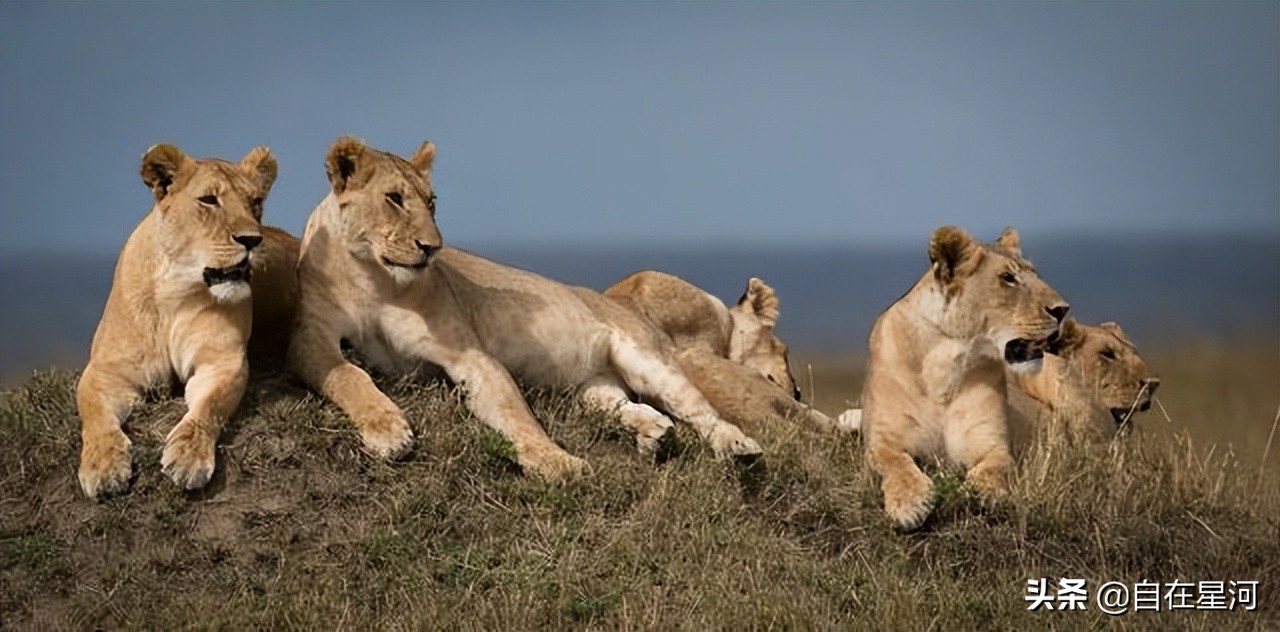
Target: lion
1091	384
374	271
732	355
180	307
695	319
935	384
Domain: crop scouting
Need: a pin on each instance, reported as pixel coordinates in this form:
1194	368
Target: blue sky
759	124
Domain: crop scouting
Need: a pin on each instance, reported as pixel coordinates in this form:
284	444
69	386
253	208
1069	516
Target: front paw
552	466
189	454
990	480
105	466
728	440
850	421
908	499
388	437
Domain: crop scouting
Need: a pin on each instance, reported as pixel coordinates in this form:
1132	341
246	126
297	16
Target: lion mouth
412	266
1021	350
1125	415
238	272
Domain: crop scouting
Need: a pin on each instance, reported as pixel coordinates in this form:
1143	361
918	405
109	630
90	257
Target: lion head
1102	367
209	215
387	205
990	291
753	342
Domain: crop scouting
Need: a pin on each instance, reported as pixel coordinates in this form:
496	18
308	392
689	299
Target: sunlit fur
695	319
165	319
375	272
935	385
1092	385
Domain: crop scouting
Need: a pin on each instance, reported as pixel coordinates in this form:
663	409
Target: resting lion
180	307
935	383
1091	384
374	272
731	354
695	319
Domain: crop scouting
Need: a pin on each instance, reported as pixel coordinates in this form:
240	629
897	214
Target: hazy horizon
760	124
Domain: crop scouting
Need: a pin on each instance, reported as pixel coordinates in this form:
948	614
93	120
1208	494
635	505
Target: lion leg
317	359
492	396
976	436
212	394
651	427
908	492
104	401
650	375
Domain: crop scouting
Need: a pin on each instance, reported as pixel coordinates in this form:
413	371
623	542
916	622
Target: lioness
180	307
374	271
731	354
1092	383
695	319
935	381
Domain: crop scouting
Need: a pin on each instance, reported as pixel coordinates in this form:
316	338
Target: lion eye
211	200
1107	354
396	199
431	203
1008	278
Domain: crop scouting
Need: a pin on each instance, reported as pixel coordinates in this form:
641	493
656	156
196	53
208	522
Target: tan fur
1091	384
935	384
374	271
695	319
1090	387
163	320
745	398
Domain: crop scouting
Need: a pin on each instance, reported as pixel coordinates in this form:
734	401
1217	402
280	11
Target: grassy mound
300	529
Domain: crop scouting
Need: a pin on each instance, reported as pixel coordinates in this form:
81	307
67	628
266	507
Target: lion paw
554	467
991	482
650	440
189	454
105	466
387	438
908	499
850	420
727	440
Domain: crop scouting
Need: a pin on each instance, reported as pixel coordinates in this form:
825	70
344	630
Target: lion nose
1151	384
427	249
1058	311
248	241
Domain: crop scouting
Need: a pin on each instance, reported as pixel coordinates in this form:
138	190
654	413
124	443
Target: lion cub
935	382
695	319
732	354
374	272
180	307
1091	385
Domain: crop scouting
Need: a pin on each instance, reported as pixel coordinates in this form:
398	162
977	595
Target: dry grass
299	529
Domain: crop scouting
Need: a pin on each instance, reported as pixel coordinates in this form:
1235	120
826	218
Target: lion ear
261	167
1070	337
160	167
342	161
953	253
761	300
424	157
1009	241
1115	330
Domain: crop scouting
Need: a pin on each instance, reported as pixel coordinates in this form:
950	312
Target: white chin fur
1030	367
230	292
403	276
